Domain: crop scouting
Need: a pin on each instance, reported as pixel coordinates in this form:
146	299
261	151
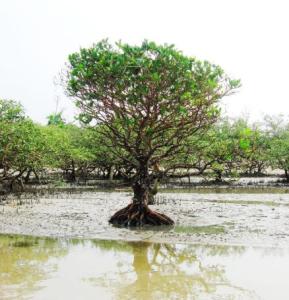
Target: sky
248	38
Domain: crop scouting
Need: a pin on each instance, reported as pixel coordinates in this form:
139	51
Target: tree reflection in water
122	270
164	271
24	263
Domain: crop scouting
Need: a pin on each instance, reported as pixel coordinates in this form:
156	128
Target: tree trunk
111	173
73	175
36	176
152	192
26	179
286	175
137	213
218	176
142	268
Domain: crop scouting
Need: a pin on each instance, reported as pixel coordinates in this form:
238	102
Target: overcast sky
248	39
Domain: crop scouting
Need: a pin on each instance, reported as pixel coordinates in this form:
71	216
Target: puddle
45	269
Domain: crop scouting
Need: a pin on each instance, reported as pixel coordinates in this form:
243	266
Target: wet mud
227	218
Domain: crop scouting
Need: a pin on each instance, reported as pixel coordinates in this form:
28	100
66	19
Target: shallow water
45	269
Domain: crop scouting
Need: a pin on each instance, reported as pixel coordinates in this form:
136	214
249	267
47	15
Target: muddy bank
211	218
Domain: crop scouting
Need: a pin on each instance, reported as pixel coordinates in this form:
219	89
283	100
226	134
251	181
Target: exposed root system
139	215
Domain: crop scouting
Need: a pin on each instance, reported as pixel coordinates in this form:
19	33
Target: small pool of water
52	269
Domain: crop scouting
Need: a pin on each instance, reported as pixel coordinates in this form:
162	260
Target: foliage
56	119
66	149
21	143
218	150
11	111
253	148
148	98
230	147
278	131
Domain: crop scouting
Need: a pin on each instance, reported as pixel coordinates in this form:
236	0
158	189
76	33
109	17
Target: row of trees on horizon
229	148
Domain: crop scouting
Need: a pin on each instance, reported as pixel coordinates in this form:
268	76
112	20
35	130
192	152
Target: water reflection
24	263
178	272
34	268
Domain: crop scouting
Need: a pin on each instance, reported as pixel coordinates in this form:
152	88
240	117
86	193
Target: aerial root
137	215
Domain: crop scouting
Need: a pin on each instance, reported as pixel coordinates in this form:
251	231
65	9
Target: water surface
46	269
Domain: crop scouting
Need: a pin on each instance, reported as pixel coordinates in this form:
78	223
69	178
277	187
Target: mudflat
208	217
